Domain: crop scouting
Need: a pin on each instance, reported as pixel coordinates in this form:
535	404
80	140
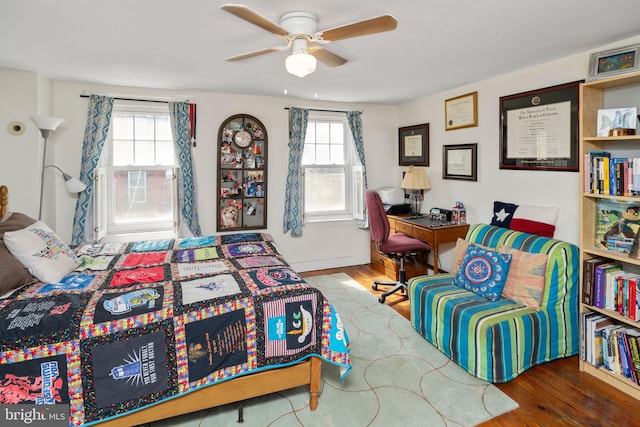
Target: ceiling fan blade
250	15
255	53
326	57
362	28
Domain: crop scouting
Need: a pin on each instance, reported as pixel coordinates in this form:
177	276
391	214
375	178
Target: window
138	165
332	174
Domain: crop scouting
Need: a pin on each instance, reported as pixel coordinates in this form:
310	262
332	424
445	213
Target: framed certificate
461	112
460	162
539	129
413	145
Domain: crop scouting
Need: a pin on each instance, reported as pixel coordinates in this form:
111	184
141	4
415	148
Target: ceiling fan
300	32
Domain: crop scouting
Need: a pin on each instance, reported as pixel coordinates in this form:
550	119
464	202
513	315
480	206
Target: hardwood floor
551	394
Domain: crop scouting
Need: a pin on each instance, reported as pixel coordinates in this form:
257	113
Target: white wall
20	155
321	245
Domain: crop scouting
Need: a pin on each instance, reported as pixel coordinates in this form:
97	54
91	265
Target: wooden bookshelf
594	95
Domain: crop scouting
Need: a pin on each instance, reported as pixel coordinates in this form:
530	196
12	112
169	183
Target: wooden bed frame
307	372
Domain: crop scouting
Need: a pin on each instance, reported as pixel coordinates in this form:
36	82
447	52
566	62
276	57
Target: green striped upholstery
497	341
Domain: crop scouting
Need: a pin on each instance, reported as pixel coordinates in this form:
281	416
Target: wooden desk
434	236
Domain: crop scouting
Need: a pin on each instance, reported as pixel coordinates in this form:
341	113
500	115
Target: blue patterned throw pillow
483	272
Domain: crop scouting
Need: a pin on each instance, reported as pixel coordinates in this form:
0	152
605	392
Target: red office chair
397	246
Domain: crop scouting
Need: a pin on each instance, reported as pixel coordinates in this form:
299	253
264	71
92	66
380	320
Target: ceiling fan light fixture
300	64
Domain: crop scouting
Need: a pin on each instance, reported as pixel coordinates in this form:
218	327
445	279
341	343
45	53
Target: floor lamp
47	126
415	180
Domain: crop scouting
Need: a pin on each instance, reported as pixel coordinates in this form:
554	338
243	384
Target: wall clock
242	139
242	174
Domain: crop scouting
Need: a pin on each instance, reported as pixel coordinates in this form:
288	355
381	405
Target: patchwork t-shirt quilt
146	321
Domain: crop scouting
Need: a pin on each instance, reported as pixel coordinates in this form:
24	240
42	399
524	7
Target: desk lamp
415	180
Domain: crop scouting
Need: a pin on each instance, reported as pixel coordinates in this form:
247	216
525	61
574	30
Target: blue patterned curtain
95	133
187	195
293	203
355	124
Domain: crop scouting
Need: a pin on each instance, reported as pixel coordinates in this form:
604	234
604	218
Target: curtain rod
326	111
135	99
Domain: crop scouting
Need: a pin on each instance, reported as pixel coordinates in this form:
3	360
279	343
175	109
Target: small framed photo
461	112
460	161
413	145
614	62
616	118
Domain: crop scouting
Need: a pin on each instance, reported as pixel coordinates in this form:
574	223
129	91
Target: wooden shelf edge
615	380
608	196
617	256
612	314
621	80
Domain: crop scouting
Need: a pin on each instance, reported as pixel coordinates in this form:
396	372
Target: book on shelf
590	320
634	348
584	315
594	171
610	344
600	282
623	359
634	303
588	268
615	176
612	288
630	334
598	344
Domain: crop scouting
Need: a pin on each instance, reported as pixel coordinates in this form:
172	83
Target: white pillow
42	252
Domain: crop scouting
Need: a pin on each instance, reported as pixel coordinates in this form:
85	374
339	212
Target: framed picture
613	62
616	118
539	129
413	145
460	162
461	112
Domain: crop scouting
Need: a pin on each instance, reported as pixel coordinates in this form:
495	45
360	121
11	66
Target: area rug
398	378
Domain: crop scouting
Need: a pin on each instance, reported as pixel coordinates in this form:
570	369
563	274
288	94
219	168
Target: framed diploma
461	112
539	129
413	145
460	162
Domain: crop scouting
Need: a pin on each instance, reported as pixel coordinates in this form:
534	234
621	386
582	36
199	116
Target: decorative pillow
12	274
503	214
525	281
483	272
42	252
458	254
535	220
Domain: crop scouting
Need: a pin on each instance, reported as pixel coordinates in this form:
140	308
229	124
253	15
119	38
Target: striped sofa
497	341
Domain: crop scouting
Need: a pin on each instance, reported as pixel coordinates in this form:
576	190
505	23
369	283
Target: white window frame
354	175
104	225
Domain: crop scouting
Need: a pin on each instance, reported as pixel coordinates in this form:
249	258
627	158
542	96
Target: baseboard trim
322	264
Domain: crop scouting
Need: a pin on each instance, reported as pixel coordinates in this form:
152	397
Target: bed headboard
4	199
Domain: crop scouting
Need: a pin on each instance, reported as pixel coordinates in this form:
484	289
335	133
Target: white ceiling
181	45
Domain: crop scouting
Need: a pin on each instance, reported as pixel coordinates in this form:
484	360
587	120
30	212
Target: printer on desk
393	200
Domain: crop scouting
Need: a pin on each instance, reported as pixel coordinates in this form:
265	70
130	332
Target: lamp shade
47	122
300	64
74	185
415	179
